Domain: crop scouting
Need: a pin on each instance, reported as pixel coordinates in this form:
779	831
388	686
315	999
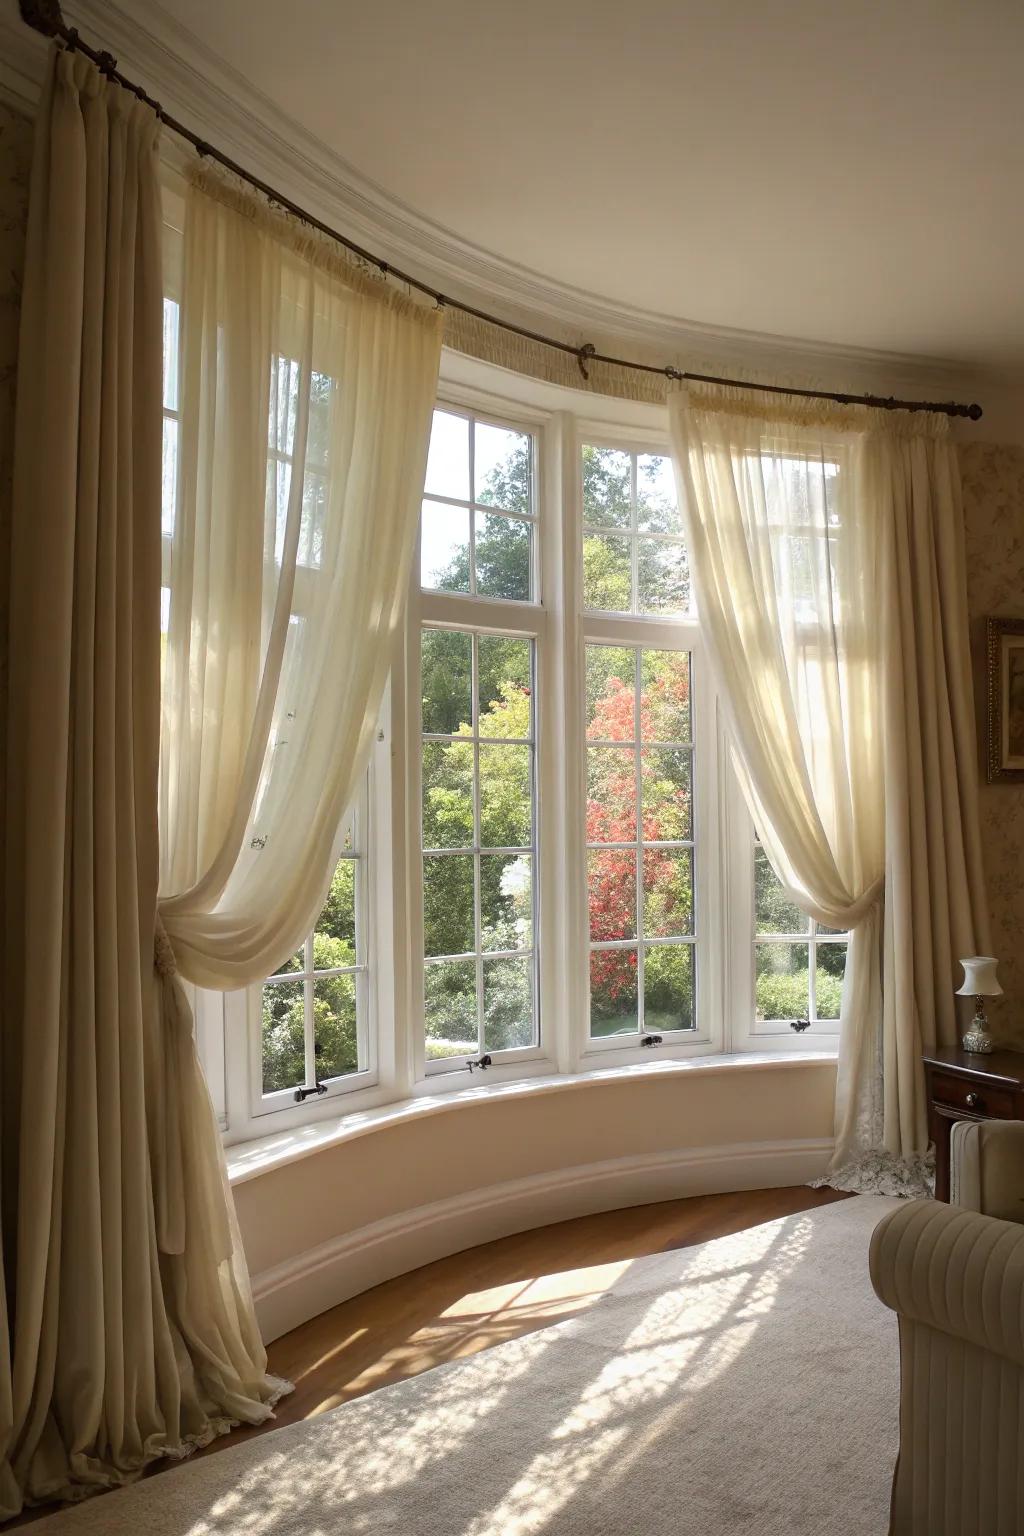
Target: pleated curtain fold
129	1327
827	551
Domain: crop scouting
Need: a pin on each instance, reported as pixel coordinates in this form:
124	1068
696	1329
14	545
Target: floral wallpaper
993	479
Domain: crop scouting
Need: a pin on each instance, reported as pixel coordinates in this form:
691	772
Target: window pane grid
798	970
647	971
479	514
479	935
314	1014
634	554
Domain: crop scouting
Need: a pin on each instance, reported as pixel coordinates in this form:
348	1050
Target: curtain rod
45	16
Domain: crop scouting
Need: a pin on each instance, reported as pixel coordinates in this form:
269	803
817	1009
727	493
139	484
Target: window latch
799	1025
302	1094
483	1063
651	1040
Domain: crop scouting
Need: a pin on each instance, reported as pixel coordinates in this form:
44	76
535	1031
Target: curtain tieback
163	952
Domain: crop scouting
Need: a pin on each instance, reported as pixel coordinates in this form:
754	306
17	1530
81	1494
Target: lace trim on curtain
105	1478
882	1173
796	411
359	275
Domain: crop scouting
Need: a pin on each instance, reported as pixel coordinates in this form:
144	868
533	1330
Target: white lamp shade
980	977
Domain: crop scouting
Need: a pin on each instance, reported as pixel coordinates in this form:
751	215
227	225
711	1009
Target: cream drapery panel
117	1348
129	1329
829	577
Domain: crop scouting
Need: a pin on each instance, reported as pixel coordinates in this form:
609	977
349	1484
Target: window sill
249	1159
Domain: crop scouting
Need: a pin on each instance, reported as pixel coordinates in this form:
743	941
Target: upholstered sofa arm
986	1167
953	1270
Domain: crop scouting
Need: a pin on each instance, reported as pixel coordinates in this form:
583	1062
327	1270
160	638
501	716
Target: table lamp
979	982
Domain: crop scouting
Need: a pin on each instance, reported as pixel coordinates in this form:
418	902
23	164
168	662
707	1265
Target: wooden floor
485	1295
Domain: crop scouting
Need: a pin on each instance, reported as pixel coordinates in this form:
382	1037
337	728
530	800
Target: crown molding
198	86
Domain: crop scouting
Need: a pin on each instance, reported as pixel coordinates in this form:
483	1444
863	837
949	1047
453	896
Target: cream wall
381	1201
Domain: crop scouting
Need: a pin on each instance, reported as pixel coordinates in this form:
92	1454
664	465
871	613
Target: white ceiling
842	172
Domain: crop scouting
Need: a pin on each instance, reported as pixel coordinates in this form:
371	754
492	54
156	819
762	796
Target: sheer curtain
820	538
306	399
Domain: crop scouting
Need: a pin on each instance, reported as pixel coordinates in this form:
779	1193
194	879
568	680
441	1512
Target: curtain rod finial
43	16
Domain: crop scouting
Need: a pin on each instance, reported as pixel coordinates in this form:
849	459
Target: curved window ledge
248	1159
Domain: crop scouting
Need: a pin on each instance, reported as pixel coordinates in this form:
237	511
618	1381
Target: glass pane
444	547
448	927
668	987
611	794
506	808
656	508
169	476
506	901
448	794
311	521
448	459
504	559
335	1040
606	487
667	808
668	893
508	1004
446	681
665	695
284	1040
334	941
284	399
449	1009
501	467
170	354
773	911
505	683
607	573
318	433
780	986
611	894
663	577
611	693
613	992
828	979
279	479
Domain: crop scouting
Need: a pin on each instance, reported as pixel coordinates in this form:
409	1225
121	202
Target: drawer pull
974	1101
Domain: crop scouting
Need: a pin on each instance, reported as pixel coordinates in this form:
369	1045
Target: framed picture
1006	700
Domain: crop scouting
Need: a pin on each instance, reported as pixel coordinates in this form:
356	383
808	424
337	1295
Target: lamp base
978	1041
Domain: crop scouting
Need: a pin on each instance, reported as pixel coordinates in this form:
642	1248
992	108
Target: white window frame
229	1025
476	614
651	632
250	1112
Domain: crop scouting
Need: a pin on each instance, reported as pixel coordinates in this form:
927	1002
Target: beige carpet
747	1385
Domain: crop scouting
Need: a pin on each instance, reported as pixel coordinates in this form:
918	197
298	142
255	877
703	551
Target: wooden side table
965	1087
